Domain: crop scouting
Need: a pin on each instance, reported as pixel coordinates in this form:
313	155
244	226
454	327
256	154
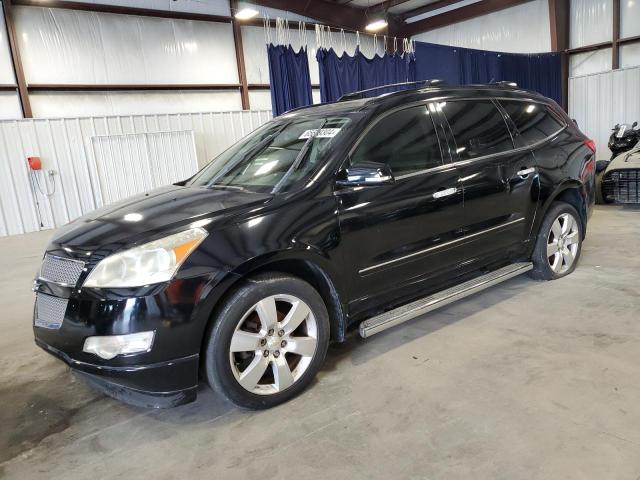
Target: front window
275	157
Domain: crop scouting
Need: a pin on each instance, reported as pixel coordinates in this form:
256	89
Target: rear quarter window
478	127
534	121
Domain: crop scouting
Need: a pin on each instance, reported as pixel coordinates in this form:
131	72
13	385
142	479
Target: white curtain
62	46
629	18
520	29
591	22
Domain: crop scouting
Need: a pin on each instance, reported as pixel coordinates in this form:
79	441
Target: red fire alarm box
34	163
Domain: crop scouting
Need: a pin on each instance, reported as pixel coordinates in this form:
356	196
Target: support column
16	60
237	41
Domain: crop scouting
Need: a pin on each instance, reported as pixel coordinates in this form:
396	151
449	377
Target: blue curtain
347	74
289	78
458	66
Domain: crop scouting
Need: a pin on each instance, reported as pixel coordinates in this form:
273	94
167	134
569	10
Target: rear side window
478	128
534	121
405	140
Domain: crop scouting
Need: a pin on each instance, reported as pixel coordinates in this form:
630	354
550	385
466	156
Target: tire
278	326
554	226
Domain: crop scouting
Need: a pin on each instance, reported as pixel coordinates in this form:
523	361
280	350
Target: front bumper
159	385
178	313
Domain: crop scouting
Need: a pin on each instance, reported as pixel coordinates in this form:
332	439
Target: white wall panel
65	146
87	104
9	106
138	162
254	44
260	99
210	7
520	29
630	55
601	100
6	66
591	22
590	62
69	46
629	18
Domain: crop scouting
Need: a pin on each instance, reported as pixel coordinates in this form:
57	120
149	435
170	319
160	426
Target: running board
401	314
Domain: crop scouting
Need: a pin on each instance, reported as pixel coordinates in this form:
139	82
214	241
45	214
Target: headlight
153	262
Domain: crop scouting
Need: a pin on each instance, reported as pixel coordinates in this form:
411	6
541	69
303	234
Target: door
499	181
397	235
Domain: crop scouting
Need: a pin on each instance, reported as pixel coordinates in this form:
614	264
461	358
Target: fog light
110	346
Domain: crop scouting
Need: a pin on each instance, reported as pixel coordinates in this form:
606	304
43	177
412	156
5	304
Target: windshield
275	157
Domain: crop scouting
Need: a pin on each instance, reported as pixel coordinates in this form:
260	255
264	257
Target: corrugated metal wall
65	146
600	100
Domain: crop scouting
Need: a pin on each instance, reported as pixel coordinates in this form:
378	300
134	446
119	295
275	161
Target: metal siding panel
600	100
69	146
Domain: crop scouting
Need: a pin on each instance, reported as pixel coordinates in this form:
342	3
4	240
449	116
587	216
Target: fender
313	266
566	184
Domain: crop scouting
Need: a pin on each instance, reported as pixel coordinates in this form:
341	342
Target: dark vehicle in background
362	213
623	138
617	180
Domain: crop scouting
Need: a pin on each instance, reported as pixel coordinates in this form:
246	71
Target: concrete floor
528	380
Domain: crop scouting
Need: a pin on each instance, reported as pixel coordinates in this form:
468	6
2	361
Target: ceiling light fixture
246	14
376	25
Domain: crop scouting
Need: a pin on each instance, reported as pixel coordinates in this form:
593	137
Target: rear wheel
268	341
559	243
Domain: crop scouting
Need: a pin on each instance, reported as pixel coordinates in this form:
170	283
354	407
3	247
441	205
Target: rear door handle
526	172
445	192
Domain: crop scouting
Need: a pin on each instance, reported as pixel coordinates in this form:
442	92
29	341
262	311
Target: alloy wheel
273	344
563	243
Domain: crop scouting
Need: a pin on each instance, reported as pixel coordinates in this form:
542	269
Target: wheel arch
302	265
571	192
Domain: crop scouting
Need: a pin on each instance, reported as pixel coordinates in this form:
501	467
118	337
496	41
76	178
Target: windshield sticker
321	133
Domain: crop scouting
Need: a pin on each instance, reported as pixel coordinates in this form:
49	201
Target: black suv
367	211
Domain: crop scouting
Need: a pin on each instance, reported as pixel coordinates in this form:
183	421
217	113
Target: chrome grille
50	311
622	186
61	270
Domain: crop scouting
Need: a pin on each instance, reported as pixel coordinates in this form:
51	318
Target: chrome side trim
442	245
401	314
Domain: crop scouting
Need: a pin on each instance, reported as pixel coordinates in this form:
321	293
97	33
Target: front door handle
525	172
446	192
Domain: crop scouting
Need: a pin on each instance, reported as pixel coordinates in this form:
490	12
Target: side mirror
616	127
635	124
366	173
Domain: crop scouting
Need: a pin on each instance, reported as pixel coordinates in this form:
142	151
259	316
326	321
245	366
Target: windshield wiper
222	186
296	163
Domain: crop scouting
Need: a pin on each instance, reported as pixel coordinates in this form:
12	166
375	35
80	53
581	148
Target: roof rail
363	93
505	83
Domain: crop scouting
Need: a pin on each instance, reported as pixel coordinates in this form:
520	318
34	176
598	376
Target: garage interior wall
600	97
61	46
66	147
9	101
520	29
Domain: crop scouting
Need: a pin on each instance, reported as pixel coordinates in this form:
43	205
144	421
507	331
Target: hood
159	210
625	161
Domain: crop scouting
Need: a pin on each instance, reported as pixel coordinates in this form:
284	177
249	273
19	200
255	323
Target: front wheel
268	341
559	243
